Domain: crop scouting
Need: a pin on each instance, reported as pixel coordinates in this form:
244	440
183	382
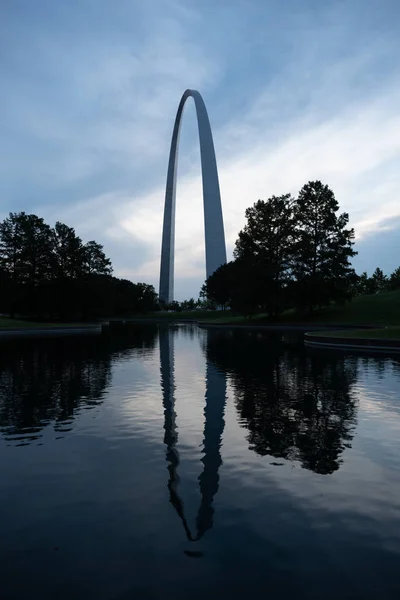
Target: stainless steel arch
213	221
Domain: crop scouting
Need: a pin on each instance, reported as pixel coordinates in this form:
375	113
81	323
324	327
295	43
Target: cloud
101	104
379	248
91	94
365	137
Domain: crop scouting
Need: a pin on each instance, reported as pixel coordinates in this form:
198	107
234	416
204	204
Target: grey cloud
379	249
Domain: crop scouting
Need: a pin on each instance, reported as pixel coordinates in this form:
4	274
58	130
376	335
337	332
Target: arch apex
213	220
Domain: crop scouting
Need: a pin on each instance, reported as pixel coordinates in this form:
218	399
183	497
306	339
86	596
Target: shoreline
314	336
382	344
304	327
55	330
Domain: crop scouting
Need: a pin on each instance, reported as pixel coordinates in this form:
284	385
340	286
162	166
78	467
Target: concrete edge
371	344
303	327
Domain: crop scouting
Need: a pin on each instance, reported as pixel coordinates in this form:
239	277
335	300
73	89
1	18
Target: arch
213	221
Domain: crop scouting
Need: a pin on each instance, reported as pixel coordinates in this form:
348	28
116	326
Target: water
181	463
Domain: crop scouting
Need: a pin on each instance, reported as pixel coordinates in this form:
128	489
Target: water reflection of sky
107	462
367	466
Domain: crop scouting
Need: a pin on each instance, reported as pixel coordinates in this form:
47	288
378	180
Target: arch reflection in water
215	399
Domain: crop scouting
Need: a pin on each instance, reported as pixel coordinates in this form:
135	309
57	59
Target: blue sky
295	90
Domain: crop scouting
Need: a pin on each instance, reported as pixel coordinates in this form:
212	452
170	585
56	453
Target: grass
390	333
192	315
7	323
378	309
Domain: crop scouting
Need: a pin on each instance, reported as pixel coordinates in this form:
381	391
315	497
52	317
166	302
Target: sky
295	91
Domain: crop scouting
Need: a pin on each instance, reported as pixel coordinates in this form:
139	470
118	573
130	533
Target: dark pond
180	463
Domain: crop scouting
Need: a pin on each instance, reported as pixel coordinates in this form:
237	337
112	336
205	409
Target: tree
95	261
322	248
36	248
364	285
265	247
361	284
25	254
174	306
204	302
146	300
48	273
379	281
11	247
25	247
189	304
394	280
249	293
239	284
68	252
219	287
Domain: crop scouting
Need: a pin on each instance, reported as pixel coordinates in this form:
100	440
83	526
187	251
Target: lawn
378	309
389	333
6	323
191	315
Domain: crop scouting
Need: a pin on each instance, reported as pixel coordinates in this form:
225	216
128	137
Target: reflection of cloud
378	408
41	387
378	402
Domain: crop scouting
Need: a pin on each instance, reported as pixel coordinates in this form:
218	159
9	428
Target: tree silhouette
48	273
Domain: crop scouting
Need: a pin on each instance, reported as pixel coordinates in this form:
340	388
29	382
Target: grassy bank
378	309
389	333
7	323
191	315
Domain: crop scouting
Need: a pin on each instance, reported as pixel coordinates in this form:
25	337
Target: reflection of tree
215	398
47	380
297	405
380	364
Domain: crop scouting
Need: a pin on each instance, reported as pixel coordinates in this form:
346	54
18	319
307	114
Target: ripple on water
276	467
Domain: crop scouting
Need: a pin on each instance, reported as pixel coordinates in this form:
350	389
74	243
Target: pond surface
176	462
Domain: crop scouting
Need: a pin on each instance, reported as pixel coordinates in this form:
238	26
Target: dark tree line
378	282
49	273
292	252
